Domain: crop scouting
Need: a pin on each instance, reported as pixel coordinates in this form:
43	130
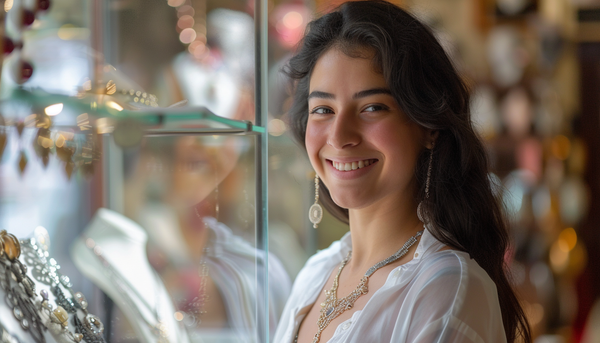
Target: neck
379	231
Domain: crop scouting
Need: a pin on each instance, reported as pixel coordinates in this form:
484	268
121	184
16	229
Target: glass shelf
158	121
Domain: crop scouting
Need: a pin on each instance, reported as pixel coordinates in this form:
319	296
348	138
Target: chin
348	201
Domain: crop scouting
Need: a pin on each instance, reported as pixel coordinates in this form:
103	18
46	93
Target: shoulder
454	272
449	287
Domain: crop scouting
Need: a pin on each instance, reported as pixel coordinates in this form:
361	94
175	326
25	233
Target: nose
344	132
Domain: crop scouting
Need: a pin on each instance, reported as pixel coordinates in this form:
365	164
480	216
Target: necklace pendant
328	312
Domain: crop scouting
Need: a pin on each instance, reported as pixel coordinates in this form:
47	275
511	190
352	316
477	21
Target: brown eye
375	108
321	110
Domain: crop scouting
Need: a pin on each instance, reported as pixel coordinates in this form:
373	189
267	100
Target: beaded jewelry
46	271
19	288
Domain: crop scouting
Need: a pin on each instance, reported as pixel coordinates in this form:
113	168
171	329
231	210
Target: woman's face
360	143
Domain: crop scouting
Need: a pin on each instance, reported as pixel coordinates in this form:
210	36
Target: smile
348	166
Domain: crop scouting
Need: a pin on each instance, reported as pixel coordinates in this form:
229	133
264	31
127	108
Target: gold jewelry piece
333	307
10	245
315	213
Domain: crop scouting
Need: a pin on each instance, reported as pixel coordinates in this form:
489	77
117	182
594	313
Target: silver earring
421	211
315	213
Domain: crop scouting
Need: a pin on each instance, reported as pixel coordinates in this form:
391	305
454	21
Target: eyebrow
361	94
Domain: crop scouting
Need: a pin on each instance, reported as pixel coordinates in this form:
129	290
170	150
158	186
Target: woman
385	120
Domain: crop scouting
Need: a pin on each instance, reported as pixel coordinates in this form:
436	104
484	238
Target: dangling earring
421	211
315	213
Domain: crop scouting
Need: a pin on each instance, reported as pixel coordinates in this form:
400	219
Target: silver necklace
333	307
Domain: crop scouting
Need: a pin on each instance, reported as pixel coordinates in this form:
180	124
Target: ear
431	137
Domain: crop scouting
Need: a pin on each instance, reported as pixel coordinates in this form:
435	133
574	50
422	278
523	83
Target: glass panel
129	172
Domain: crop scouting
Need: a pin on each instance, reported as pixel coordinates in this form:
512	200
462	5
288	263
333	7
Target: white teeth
342	166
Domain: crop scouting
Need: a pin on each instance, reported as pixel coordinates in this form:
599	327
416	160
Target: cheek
400	143
315	139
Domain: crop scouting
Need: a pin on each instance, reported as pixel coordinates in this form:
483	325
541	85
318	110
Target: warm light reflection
292	20
114	105
535	313
185	10
185	22
277	127
569	238
178	316
45	142
561	147
187	36
70	32
53	110
175	3
60	141
104	125
200	51
8	5
559	258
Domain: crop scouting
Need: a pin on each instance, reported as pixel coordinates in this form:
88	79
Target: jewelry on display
198	306
130	95
18	287
315	213
421	211
46	270
157	328
6	337
333	307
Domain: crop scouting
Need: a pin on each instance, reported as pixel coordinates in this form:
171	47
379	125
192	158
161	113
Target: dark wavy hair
463	211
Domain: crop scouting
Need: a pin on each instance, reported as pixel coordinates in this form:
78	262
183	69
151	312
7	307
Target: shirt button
346	326
416	254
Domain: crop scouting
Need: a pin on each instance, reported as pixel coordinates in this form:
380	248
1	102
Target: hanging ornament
22	71
26	70
69	167
22	162
2	136
8	45
65	153
28	17
43	5
42	144
20	126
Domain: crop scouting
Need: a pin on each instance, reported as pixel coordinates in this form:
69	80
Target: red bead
8	45
28	17
26	71
43	5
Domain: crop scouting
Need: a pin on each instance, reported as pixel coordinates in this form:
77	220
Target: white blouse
439	296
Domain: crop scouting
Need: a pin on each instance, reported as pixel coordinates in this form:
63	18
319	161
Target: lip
351	174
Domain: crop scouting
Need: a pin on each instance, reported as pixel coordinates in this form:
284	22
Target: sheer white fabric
439	296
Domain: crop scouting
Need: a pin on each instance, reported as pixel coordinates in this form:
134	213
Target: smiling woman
385	120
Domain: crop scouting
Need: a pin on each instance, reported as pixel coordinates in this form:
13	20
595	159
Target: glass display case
133	175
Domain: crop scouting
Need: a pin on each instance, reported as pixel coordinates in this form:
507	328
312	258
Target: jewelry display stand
112	253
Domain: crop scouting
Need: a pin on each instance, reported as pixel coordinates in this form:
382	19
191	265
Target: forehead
336	72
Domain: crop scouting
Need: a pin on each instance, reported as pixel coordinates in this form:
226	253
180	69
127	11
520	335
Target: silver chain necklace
333	307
